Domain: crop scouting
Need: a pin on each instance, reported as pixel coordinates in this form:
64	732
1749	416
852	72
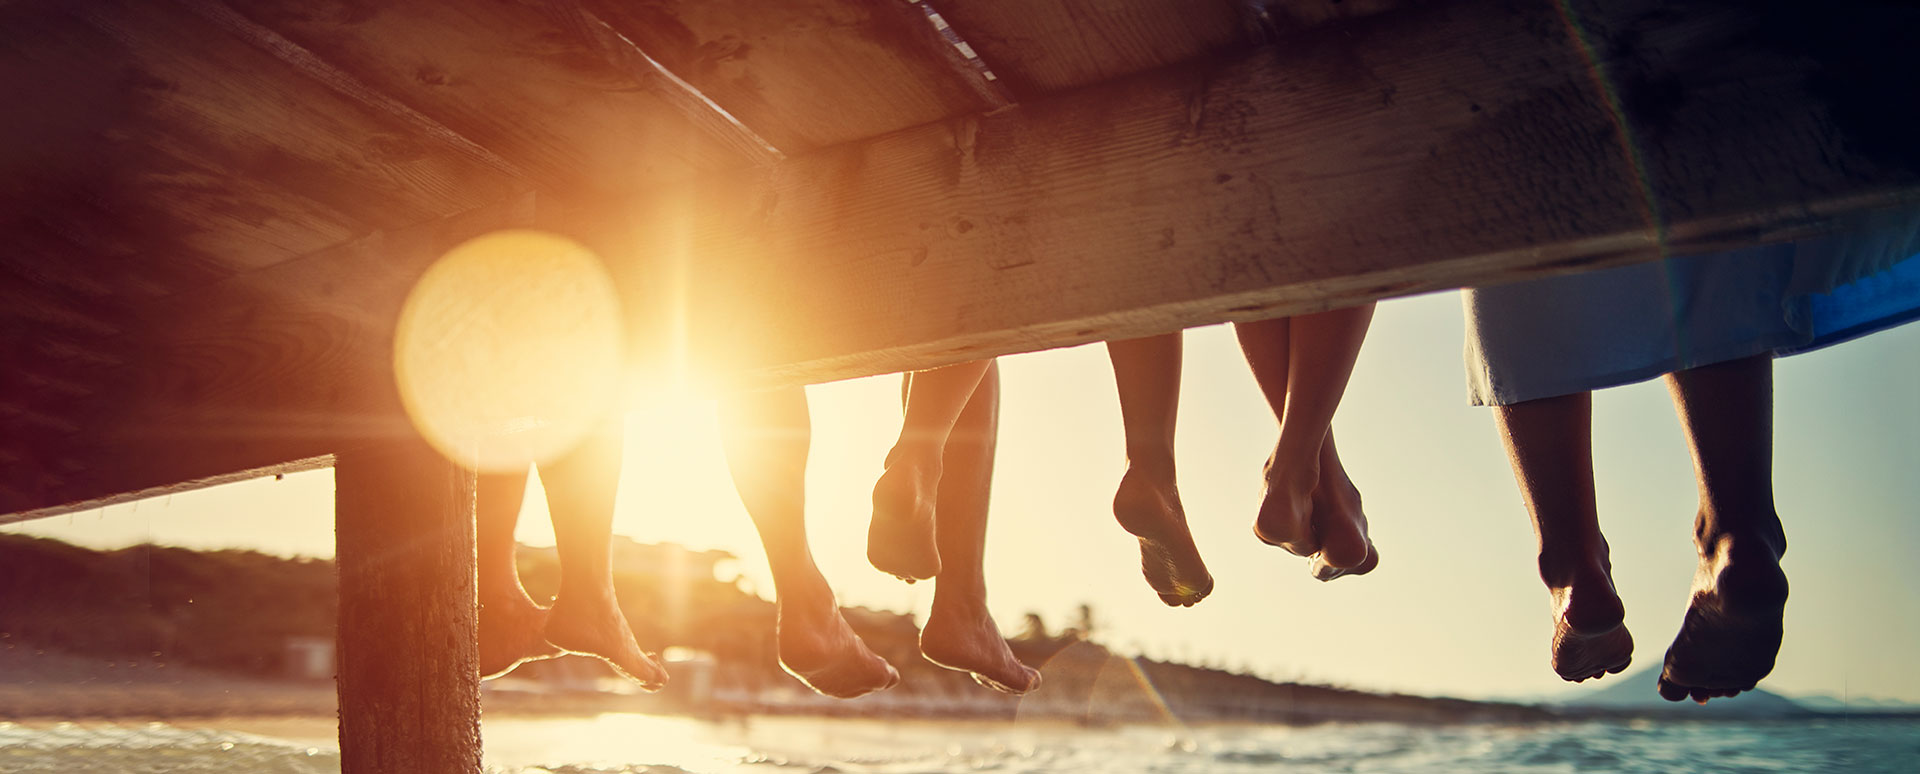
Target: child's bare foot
511	627
1590	638
819	649
900	538
1286	508
1340	524
967	640
1147	505
1732	630
592	625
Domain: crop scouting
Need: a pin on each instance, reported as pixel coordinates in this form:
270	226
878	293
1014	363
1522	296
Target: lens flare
508	350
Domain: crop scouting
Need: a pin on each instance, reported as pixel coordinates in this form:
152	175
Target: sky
1456	607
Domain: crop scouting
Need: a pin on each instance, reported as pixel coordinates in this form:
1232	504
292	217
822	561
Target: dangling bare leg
585	617
1549	442
766	436
1147	505
1732	629
901	541
960	634
510	622
1302	365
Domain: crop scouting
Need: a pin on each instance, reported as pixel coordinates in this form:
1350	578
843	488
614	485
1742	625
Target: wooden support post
409	689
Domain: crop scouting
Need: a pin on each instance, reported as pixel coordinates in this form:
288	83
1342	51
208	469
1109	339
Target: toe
1672	691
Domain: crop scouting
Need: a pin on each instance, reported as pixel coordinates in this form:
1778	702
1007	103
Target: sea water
640	744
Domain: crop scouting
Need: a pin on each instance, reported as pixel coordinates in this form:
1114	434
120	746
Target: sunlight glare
508	350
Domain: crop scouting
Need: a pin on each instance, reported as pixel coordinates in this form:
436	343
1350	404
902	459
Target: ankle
1564	569
1296	479
804	594
967	608
1756	527
586	592
1152	460
507	599
922	470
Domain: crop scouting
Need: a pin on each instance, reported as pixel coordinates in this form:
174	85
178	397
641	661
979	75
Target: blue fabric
1588	331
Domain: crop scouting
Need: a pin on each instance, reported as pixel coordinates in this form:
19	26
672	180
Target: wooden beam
1037	47
609	44
1471	143
268	372
529	82
345	84
962	59
803	73
1426	148
408	678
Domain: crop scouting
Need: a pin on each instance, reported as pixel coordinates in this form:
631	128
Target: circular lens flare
508	350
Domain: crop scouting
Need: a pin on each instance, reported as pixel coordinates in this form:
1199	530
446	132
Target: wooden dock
214	209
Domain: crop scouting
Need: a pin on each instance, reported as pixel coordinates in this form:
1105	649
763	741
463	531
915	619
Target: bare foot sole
900	540
1168	558
1579	656
1590	638
597	628
972	644
511	627
820	650
1731	634
1318	566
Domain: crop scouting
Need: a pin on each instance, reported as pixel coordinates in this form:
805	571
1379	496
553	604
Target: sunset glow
508	349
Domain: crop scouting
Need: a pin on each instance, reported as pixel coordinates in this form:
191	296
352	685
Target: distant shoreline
199	701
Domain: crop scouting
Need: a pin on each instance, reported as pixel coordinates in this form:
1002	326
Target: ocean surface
641	744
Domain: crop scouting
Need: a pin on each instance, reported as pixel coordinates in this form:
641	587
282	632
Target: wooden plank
528	82
1040	46
802	73
1421	149
408	677
961	58
269	372
205	141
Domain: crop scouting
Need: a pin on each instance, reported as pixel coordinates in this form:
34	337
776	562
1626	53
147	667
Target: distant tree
1083	620
1033	628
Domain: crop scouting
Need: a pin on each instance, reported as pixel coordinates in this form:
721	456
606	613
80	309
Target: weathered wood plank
525	81
1041	46
266	372
1425	148
408	679
207	142
802	73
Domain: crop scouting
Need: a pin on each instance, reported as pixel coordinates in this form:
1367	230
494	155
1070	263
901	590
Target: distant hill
155	617
1827	703
1639	692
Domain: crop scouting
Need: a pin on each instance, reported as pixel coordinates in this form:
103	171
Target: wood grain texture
286	365
1426	148
408	676
802	73
526	82
190	139
1040	46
